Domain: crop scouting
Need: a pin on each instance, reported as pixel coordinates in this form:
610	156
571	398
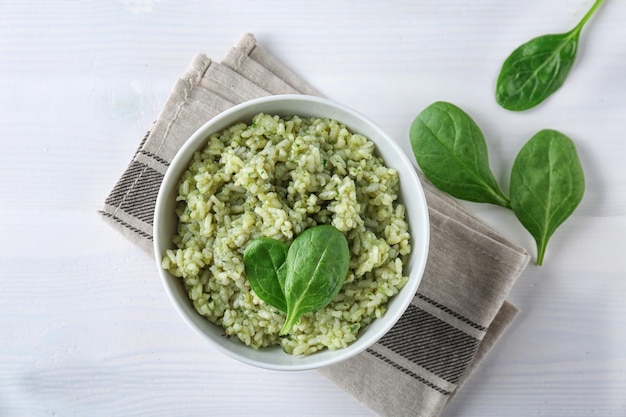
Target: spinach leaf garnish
547	184
302	278
317	265
451	151
263	259
539	67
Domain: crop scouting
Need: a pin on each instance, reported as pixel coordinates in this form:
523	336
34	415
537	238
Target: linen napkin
460	309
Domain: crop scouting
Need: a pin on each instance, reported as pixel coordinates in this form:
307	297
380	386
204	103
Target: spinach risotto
277	177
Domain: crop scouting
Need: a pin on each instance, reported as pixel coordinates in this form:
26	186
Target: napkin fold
460	309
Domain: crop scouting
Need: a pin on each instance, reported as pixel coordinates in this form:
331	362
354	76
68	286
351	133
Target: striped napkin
460	309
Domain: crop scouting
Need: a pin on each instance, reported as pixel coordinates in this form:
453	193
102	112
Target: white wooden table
85	326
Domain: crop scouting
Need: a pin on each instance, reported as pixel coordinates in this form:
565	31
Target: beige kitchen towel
460	309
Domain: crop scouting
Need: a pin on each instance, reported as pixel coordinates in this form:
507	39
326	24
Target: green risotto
277	177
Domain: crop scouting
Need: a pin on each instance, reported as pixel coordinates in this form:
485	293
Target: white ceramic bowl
412	196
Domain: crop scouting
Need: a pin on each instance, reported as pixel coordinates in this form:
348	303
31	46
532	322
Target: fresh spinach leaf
317	264
264	260
299	278
450	149
539	67
547	184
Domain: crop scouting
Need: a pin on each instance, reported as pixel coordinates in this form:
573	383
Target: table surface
85	326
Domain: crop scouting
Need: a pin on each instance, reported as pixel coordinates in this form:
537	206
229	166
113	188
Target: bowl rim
418	257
